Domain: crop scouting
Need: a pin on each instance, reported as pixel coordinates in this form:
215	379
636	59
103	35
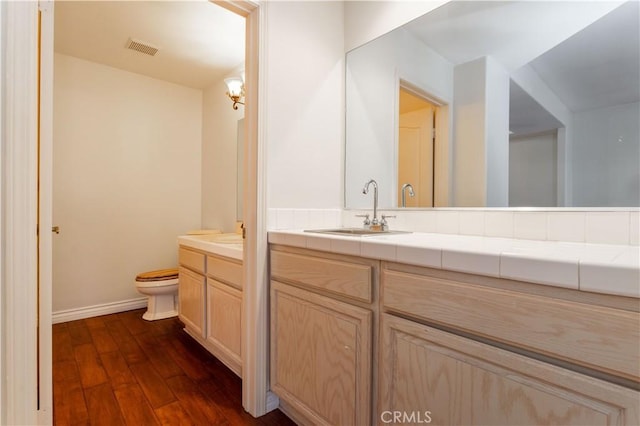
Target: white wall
219	163
606	157
367	20
304	115
126	179
533	170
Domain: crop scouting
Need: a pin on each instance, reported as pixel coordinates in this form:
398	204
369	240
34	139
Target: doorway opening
423	147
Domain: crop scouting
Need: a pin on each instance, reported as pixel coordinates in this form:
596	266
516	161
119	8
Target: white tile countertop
600	268
228	245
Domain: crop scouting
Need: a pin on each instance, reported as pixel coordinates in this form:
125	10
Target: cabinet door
428	374
191	300
321	356
224	323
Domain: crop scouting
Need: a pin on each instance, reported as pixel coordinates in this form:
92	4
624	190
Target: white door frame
45	213
255	307
19	217
19	213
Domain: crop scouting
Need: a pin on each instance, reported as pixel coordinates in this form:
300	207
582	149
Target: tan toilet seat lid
159	275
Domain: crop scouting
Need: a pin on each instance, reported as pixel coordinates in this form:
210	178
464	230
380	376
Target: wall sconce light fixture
235	90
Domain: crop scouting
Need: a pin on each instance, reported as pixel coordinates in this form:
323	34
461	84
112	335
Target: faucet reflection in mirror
405	187
235	90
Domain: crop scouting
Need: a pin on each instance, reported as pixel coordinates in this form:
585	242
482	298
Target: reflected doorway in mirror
422	141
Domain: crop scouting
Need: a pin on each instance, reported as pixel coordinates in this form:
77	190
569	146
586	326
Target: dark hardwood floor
122	370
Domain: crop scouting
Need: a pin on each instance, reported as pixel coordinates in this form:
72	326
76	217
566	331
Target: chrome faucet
404	195
365	190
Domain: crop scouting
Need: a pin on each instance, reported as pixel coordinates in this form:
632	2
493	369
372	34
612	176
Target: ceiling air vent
142	47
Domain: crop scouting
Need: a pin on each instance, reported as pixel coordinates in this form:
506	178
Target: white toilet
161	287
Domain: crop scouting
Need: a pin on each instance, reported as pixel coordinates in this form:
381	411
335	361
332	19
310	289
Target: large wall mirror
498	104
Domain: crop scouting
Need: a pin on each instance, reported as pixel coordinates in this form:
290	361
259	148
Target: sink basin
354	232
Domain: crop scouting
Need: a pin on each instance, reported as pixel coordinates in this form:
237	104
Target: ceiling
586	52
599	65
199	42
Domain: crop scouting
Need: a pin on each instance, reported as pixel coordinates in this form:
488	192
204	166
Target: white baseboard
97	310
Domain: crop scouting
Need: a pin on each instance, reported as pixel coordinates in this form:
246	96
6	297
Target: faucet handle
383	222
384	216
366	219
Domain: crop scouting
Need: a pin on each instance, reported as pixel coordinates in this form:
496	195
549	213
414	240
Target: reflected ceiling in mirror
537	105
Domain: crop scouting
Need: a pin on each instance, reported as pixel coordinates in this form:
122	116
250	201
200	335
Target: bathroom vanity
210	294
423	327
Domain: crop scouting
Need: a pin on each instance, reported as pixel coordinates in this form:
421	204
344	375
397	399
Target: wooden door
321	356
458	381
415	152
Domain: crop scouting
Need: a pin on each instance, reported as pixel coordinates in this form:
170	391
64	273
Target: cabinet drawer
348	279
458	381
225	270
191	259
596	337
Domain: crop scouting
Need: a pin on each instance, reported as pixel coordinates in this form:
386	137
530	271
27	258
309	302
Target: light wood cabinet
448	348
453	380
321	351
210	303
224	323
597	337
191	300
323	322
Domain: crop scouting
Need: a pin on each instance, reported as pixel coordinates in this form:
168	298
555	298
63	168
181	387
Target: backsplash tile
607	228
332	218
472	223
419	221
447	222
530	225
284	219
566	226
303	218
598	227
634	228
498	224
315	219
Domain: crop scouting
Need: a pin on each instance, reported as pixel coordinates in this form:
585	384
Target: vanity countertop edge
233	251
598	268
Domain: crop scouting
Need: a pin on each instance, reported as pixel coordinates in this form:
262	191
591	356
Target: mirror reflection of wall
533	178
563	97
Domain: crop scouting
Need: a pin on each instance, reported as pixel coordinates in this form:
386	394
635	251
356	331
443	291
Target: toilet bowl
161	289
